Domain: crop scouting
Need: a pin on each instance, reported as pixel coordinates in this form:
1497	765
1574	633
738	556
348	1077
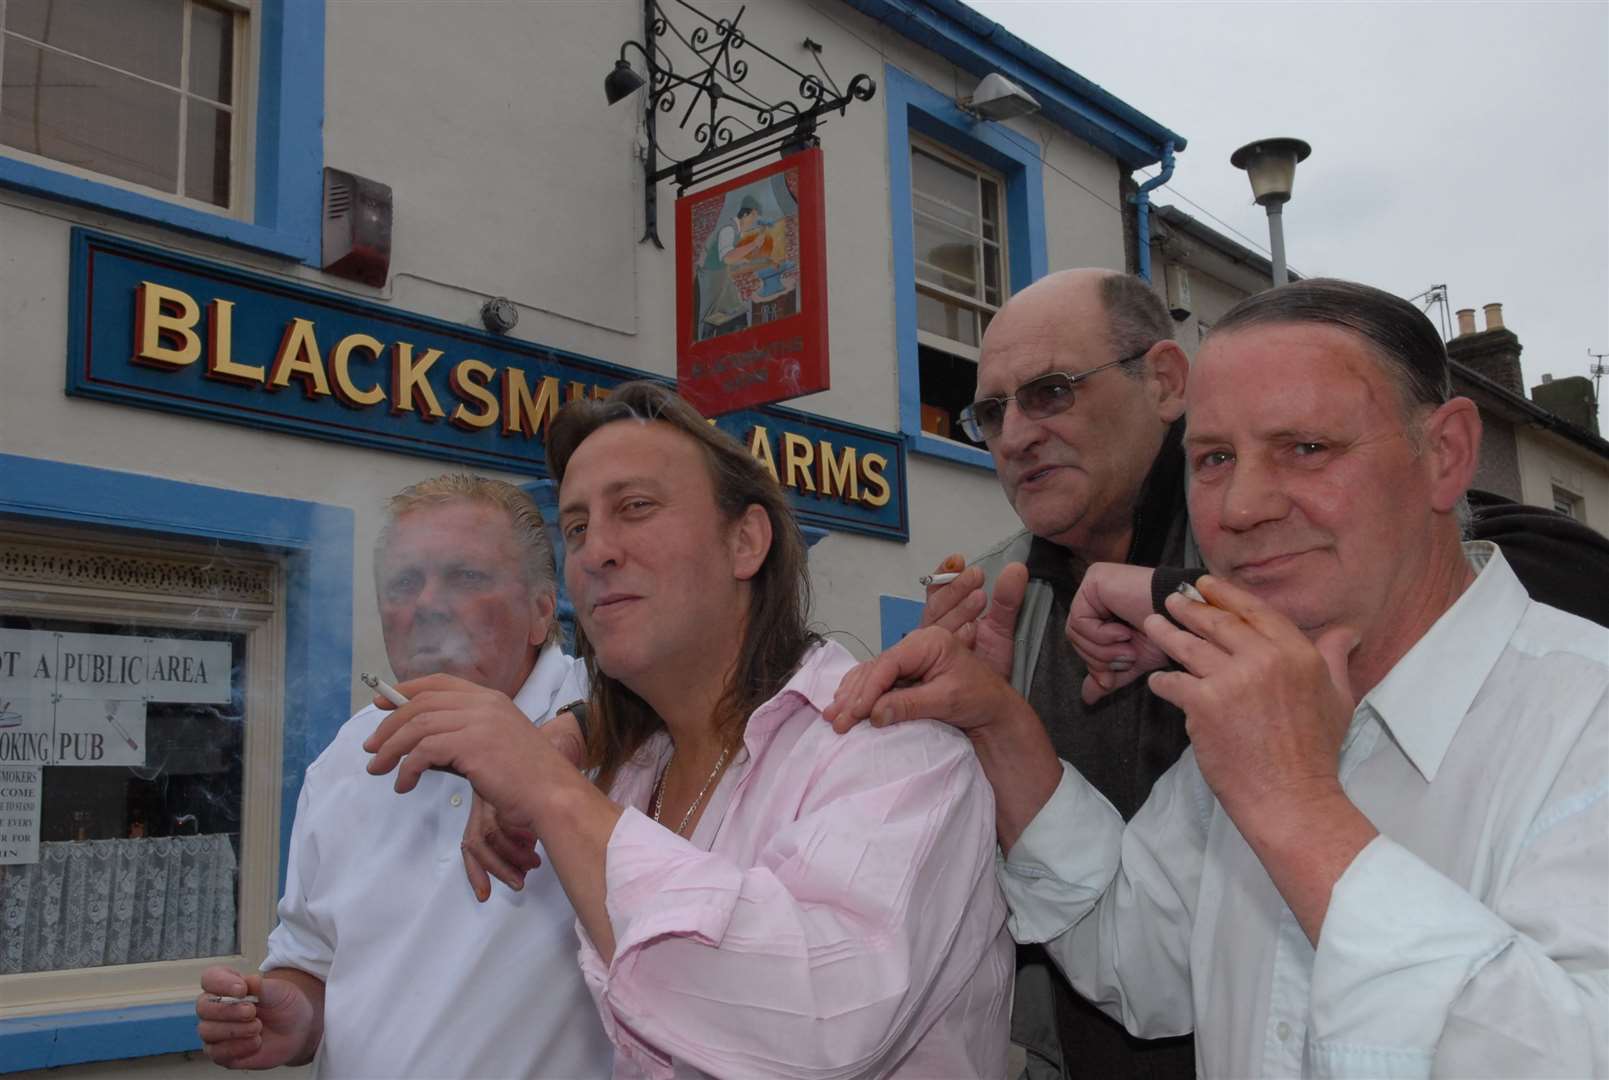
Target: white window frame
263	624
243	110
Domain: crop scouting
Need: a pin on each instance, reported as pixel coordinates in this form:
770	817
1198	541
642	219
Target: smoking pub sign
161	330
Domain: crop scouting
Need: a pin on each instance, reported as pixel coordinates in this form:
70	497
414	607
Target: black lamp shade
621	82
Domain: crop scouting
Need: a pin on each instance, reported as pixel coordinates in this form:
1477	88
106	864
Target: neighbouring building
265	262
1544	449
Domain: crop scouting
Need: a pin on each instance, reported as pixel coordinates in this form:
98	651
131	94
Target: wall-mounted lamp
998	98
621	82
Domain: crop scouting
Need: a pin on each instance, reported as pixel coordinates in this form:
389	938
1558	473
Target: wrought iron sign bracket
719	104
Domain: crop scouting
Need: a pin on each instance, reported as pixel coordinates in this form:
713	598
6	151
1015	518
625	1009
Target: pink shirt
835	913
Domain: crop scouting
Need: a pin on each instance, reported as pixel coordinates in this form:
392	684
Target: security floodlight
998	98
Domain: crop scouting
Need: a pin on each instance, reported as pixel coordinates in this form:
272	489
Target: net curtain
101	902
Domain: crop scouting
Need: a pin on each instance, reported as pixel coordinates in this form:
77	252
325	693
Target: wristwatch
578	709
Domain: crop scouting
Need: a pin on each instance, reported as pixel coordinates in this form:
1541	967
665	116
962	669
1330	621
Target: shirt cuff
1063	862
1396	932
660	885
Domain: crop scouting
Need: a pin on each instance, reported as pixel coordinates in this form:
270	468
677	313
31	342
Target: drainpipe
1142	208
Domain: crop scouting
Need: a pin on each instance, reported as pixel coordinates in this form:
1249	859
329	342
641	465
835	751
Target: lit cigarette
383	688
1190	592
936	579
225	999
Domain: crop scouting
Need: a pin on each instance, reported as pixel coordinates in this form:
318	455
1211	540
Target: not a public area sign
158	329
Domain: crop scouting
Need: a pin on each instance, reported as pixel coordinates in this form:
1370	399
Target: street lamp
1271	164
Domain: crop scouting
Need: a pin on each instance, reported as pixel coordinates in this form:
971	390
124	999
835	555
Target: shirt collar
535	698
1424	697
814	683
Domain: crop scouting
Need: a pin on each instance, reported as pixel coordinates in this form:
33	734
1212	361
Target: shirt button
1283	1031
458	800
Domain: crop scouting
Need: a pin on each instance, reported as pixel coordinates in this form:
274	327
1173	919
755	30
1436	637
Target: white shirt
421	980
1470	938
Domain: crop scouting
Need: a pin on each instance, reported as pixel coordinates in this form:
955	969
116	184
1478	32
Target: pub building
265	262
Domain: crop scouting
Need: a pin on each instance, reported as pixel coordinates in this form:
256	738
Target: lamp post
1271	164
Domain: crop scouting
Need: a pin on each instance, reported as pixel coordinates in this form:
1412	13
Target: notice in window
19	814
80	699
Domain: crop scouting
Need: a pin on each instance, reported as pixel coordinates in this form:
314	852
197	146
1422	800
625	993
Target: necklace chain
659	796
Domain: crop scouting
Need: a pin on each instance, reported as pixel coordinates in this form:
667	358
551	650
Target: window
142	91
139	764
960	269
967	211
203	116
87	550
1569	503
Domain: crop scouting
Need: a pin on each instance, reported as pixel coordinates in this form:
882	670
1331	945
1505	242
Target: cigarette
225	999
1190	592
121	730
383	688
936	579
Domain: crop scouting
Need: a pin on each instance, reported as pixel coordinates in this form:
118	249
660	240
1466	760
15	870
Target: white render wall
511	177
1547	459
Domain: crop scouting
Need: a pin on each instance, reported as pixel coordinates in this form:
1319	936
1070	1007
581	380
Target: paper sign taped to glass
79	699
19	814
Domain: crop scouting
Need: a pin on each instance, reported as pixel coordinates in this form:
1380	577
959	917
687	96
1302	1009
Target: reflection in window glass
206	160
141	37
129	89
91	116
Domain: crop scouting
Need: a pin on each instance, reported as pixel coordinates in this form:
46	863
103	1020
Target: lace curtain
100	902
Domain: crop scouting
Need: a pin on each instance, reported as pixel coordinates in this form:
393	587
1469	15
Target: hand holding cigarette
955	594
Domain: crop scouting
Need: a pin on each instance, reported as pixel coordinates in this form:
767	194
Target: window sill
48	183
936	446
43	1042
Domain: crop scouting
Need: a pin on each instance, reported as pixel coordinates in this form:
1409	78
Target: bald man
1079	400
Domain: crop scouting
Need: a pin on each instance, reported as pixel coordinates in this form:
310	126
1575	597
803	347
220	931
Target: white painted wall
1547	460
511	177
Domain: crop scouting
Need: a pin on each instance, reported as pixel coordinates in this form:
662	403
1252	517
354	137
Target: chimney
1570	398
1493	352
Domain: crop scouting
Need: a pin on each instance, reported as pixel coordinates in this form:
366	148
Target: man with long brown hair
756	897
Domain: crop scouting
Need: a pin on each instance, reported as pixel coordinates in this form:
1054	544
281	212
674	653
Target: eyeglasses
1038	398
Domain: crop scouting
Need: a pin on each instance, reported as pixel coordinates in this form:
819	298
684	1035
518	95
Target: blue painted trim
813	535
898	616
980	45
914	106
315	542
44	1042
1142	211
289	153
937	446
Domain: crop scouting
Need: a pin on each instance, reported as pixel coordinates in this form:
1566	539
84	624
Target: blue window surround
289	155
898	616
915	107
315	542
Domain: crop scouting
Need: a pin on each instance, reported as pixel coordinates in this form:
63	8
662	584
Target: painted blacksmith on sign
167	331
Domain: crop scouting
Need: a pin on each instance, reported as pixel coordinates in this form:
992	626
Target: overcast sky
1464	144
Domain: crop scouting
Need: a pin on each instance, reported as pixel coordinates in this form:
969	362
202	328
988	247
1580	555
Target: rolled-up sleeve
302	940
826	957
1414	976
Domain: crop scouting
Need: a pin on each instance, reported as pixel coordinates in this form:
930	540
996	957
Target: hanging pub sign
161	330
751	288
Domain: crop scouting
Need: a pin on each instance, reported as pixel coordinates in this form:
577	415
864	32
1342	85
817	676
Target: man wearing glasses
1079	399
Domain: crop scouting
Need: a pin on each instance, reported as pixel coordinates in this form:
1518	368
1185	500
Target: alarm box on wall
357	228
